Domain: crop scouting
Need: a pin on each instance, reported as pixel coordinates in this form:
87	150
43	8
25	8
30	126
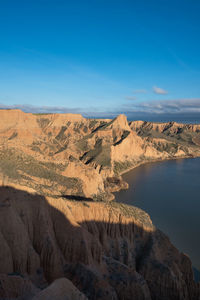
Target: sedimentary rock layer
66	154
106	250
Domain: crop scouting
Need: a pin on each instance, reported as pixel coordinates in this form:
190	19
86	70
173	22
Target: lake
170	192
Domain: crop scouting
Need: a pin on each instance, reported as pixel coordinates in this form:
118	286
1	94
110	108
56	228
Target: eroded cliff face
66	154
92	250
53	247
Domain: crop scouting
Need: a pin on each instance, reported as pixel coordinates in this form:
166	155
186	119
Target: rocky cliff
56	242
65	154
53	247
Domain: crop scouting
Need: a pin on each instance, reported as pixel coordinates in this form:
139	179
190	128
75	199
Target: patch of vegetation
182	135
104	157
36	149
83	143
85	129
36	146
76	129
187	137
171	148
120	167
92	123
16	165
8	168
100	155
130	212
184	149
79	126
61	135
100	197
43	122
53	166
196	140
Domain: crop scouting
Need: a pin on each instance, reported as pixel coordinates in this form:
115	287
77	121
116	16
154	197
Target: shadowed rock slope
66	154
52	248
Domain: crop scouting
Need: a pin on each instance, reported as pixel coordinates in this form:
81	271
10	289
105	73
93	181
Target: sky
101	57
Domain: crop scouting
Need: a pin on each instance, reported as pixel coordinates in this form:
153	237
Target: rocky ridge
66	154
56	242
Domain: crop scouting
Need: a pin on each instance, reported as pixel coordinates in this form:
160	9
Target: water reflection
169	192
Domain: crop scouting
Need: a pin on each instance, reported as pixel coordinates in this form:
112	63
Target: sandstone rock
60	289
107	250
36	150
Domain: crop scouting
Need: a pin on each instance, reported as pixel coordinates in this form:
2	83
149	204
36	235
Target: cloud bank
191	105
41	109
172	109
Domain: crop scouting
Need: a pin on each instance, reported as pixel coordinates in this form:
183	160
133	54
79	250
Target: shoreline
147	162
196	268
156	160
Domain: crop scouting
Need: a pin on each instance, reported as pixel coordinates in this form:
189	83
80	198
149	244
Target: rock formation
56	242
66	154
88	250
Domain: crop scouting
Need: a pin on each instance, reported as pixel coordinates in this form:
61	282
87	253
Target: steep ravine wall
107	251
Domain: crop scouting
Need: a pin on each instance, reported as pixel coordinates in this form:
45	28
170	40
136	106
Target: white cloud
171	106
159	91
41	109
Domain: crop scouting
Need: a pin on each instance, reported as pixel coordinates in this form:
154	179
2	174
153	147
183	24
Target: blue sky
100	57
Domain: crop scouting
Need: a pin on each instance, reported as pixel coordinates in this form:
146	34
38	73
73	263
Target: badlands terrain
68	155
61	236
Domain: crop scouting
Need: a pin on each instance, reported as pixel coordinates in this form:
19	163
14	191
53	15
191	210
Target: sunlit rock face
66	154
60	236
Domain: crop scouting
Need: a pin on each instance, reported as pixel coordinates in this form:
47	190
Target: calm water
170	192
